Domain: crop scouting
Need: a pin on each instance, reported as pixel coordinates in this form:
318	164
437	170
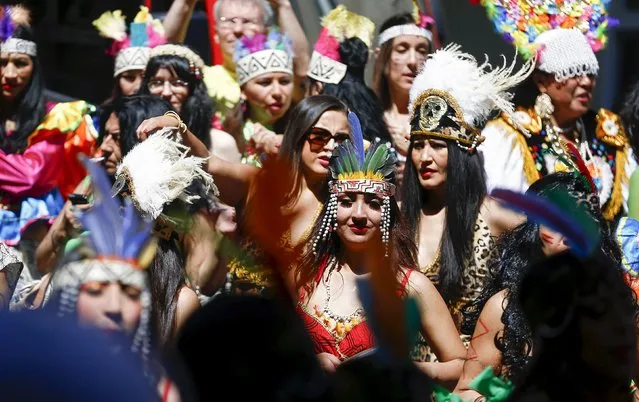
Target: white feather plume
160	170
478	89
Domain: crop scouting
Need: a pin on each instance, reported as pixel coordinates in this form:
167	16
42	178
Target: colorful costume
35	181
449	99
118	248
521	148
254	56
132	51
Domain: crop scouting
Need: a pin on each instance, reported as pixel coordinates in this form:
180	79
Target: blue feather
578	228
358	137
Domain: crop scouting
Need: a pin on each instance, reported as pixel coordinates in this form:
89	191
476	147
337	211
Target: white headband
262	62
15	45
325	69
406	29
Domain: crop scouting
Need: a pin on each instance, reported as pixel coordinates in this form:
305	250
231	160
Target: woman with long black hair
39	140
444	194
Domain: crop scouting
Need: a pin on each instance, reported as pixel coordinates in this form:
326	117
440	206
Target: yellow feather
344	24
143	15
111	25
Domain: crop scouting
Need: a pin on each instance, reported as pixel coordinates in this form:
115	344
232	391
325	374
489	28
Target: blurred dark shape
47	358
250	348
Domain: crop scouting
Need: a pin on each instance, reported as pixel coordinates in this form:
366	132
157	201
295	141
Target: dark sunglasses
318	137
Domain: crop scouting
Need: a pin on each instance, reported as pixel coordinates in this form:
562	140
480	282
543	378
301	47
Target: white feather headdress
453	95
158	172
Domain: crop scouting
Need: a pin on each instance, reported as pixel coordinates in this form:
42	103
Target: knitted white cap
566	53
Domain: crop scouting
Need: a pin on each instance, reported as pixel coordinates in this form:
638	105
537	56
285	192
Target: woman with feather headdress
39	140
359	224
444	192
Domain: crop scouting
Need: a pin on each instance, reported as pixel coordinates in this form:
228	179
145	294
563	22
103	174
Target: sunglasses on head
319	137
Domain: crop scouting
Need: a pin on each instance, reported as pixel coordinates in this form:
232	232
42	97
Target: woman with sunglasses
316	125
174	73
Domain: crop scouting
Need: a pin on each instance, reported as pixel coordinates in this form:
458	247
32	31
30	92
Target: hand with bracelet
169	119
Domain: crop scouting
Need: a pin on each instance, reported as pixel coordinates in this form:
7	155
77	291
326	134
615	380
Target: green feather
378	159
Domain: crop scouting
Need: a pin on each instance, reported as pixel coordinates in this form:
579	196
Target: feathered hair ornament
453	95
10	18
131	50
260	54
118	248
338	25
353	171
158	172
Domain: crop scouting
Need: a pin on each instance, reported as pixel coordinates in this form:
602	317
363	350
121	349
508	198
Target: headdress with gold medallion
354	171
453	95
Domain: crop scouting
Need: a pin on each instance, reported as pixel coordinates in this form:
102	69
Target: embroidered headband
10	18
261	54
196	63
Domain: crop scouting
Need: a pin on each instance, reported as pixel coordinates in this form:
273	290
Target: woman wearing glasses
315	126
174	73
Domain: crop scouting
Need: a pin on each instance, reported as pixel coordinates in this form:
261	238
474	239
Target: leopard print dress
475	275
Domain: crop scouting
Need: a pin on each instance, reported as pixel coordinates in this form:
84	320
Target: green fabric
492	387
633	198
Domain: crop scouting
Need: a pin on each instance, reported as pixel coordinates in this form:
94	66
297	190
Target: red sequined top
347	343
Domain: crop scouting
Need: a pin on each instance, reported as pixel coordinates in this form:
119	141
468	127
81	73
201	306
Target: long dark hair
558	294
520	249
197	110
380	81
302	118
465	191
132	111
353	90
401	246
29	108
166	273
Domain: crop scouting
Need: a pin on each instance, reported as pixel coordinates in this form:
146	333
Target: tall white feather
160	170
479	89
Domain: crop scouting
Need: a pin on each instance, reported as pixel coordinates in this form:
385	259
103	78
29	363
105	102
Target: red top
357	340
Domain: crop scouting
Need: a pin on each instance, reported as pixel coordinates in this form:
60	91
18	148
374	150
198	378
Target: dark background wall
76	64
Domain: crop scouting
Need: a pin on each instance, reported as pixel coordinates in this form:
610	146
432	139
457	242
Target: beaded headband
196	63
10	18
406	29
354	171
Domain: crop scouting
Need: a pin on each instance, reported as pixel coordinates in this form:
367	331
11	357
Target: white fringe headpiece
158	172
453	95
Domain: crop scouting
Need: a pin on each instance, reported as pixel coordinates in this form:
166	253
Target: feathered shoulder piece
132	49
159	171
352	170
453	95
115	231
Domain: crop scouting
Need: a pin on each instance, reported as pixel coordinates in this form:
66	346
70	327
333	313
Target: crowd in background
275	228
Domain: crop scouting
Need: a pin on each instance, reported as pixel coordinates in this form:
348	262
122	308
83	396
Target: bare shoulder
418	283
187	303
224	146
494	307
499	218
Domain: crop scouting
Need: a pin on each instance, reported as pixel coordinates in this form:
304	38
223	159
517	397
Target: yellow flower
143	15
222	86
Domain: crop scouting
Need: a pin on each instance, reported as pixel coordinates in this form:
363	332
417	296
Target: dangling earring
385	224
543	106
329	222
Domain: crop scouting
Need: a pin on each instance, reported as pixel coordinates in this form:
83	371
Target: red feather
583	169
